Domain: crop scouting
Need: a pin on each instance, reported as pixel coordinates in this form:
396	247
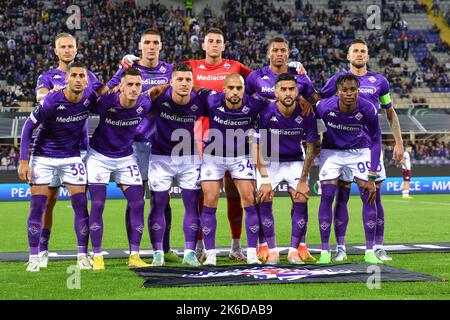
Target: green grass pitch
422	219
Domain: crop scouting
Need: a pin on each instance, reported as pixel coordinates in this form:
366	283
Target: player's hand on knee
298	66
371	189
24	171
302	190
265	193
305	106
128	61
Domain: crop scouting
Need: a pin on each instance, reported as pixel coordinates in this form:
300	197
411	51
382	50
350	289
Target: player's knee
248	199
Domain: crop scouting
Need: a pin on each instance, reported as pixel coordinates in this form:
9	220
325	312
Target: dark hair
182	67
285	77
151	31
358	41
76	64
278	40
346	77
130	72
214	30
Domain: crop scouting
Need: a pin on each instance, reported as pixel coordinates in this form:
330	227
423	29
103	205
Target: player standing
52	80
281	128
175	113
262	83
56	148
346	145
154	72
406	172
375	88
111	153
210	73
231	115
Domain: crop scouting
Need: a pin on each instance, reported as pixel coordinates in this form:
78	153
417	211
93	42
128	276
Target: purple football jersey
373	87
151	77
178	120
288	131
114	134
262	82
356	130
224	123
56	77
61	125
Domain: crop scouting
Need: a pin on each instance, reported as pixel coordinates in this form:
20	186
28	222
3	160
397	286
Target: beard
358	65
234	100
286	104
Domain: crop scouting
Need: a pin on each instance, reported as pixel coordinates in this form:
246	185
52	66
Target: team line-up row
134	141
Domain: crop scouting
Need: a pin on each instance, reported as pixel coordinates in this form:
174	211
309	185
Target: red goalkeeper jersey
211	77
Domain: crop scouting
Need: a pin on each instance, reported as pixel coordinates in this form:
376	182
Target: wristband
372	175
265	180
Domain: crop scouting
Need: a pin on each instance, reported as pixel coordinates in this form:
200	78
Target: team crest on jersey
33	230
162	69
227	66
324	226
113	110
95	227
139	110
266	77
194	227
245	109
359	116
274	119
202	67
299	119
156	227
372	79
61	107
194	108
206	231
301	223
140	228
84	230
371	224
267	223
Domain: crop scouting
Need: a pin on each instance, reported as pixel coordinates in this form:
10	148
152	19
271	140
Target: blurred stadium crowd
110	31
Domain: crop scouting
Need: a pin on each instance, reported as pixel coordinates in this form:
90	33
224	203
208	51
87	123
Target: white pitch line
409	202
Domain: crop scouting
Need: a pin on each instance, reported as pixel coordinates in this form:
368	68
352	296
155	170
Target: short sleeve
115	80
329	89
385	95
